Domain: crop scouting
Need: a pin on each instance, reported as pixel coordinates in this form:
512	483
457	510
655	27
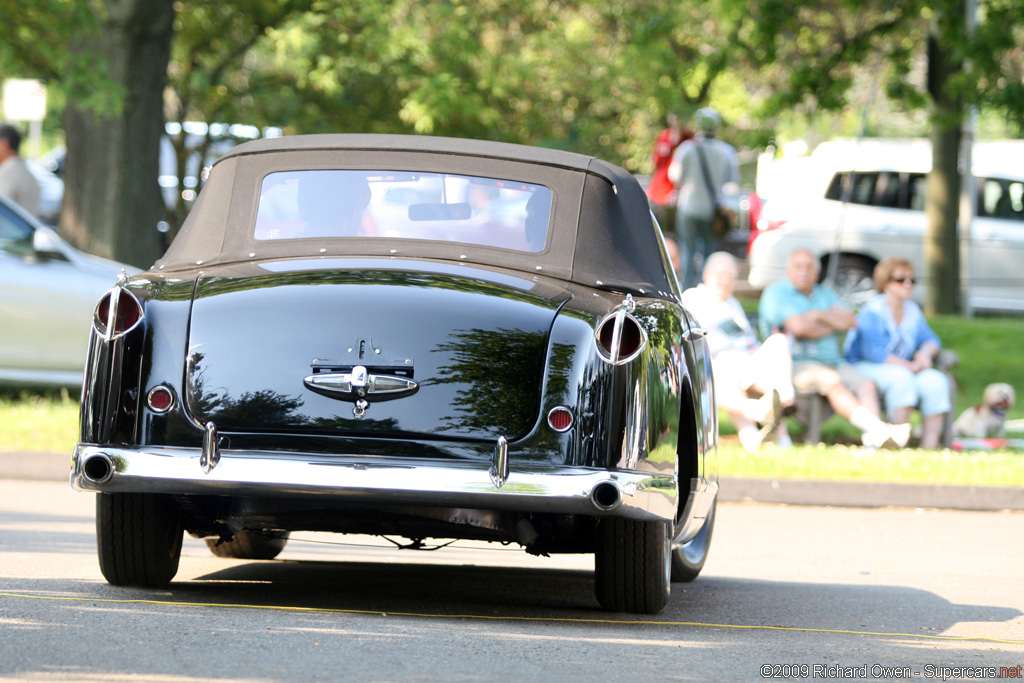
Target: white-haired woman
742	366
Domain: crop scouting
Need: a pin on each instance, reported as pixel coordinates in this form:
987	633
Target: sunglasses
904	279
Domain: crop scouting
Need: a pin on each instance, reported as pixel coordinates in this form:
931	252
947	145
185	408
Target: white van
884	215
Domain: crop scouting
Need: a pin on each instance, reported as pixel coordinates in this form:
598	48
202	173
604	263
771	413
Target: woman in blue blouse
894	346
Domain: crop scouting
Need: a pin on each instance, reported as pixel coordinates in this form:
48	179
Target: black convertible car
414	337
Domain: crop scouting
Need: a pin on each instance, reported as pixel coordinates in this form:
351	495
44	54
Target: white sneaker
750	438
887	436
878	438
900	434
762	410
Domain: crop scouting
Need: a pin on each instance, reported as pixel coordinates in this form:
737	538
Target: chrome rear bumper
567	490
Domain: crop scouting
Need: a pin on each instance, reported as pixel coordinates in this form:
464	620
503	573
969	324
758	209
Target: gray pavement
56	467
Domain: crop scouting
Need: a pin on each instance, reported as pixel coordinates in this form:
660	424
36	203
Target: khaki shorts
810	375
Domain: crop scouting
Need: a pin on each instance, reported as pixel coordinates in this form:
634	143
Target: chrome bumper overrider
636	495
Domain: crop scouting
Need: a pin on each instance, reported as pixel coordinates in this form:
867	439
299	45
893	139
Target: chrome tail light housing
620	337
117	313
560	419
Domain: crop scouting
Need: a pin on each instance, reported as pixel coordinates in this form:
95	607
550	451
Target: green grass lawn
989	351
32	421
825	462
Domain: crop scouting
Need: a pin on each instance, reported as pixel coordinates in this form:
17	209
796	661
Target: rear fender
698	436
166	351
121	370
639	397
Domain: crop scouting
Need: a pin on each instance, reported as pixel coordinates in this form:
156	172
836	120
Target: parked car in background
48	294
406	336
855	202
51	193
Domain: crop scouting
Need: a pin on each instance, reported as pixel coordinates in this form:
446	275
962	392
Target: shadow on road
445	590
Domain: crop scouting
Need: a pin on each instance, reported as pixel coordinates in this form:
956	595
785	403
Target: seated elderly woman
895	347
742	366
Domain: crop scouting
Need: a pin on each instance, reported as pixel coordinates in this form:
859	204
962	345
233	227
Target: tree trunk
942	246
112	198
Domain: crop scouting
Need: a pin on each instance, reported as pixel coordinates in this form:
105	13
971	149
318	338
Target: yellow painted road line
563	620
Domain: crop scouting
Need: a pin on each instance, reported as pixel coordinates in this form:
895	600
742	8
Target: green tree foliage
36	39
586	76
211	77
993	74
809	52
593	76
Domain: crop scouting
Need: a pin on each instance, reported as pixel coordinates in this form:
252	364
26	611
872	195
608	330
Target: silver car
48	291
51	193
856	202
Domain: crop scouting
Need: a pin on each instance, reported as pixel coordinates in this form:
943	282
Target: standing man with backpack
700	169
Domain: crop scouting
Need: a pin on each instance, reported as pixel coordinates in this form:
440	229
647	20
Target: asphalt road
832	589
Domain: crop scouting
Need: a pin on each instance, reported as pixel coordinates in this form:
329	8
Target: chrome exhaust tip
606	496
98	468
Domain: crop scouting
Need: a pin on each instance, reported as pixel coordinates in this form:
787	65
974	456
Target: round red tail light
160	399
560	419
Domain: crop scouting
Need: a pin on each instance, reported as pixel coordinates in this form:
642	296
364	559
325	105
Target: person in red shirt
661	191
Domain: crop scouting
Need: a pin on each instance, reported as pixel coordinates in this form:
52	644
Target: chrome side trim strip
410	481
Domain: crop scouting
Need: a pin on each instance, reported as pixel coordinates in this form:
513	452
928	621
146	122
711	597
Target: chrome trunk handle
360	385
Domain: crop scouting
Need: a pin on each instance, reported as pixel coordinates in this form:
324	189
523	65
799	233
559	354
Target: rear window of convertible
404	205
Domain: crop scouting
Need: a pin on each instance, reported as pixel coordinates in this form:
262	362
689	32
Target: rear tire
250	545
138	538
631	565
688	559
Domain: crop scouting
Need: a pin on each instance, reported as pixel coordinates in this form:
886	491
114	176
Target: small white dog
988	420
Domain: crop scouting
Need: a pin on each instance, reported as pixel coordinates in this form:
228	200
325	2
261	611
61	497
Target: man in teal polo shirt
813	317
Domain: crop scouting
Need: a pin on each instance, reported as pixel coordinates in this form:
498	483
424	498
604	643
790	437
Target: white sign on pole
24	99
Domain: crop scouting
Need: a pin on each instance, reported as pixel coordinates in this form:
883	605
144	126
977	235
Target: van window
998	198
916	191
855	188
869	189
887	190
1002	199
835	188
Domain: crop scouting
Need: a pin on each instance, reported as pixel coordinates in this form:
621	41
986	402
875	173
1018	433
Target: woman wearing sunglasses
894	346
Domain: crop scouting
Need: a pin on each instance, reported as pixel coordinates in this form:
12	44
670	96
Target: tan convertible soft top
602	233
